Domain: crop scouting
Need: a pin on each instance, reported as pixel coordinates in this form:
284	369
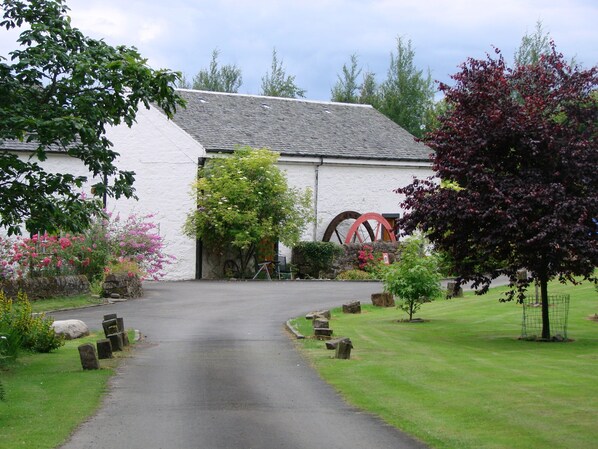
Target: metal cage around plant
558	315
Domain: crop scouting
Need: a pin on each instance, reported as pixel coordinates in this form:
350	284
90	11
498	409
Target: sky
314	38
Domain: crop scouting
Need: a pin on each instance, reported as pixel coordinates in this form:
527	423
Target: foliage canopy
244	199
227	78
516	151
415	278
278	84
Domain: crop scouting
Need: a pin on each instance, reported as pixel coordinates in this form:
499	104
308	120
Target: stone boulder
122	286
70	329
383	299
352	307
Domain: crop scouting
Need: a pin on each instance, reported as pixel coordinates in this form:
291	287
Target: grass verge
462	379
48	395
69	302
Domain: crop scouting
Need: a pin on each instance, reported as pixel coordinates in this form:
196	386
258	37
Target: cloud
316	37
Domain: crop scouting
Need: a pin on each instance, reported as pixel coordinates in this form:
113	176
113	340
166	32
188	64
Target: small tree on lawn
245	199
414	279
516	153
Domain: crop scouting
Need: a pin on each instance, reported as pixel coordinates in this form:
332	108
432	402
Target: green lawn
48	395
69	302
464	380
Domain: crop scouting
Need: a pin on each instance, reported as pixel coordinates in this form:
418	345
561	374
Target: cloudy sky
316	37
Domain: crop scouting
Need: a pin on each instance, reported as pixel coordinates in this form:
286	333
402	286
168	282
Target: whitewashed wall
164	159
342	185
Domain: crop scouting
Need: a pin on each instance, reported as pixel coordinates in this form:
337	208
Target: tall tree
227	78
346	89
516	151
368	92
407	94
59	91
533	46
278	84
245	199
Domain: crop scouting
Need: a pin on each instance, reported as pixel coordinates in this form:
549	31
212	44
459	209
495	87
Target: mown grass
48	395
462	379
70	302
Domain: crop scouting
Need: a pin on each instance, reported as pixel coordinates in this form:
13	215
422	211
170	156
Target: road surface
218	370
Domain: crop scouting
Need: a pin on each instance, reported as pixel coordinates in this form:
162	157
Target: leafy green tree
415	278
368	91
346	89
278	84
227	78
244	199
533	46
407	95
59	91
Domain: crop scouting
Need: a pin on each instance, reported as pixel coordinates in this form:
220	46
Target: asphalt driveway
218	370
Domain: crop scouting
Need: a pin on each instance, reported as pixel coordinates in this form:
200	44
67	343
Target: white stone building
351	156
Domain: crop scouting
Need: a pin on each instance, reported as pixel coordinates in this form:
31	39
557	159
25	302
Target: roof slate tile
293	127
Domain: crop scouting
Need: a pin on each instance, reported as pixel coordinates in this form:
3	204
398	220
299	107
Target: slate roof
220	121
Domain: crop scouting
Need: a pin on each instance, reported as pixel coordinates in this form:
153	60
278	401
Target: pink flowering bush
370	262
137	239
134	241
49	255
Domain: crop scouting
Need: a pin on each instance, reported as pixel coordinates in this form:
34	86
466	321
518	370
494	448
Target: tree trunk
543	278
244	259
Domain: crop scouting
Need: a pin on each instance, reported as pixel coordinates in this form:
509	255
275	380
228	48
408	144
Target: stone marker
120	322
322	333
332	344
383	299
117	341
70	329
451	290
110	316
320	322
352	307
110	326
89	359
104	349
125	337
324	313
343	349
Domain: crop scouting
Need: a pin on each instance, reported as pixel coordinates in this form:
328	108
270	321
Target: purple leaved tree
518	163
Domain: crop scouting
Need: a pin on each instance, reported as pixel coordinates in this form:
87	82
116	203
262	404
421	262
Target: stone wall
46	287
348	260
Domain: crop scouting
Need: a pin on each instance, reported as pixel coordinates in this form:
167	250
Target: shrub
36	331
10	343
124	266
415	278
137	238
354	275
315	259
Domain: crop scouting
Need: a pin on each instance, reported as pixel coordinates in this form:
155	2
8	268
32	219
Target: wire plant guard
558	314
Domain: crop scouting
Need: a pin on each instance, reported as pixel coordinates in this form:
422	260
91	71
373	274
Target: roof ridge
335	103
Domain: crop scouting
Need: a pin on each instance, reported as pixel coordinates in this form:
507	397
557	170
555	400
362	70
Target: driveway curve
218	370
